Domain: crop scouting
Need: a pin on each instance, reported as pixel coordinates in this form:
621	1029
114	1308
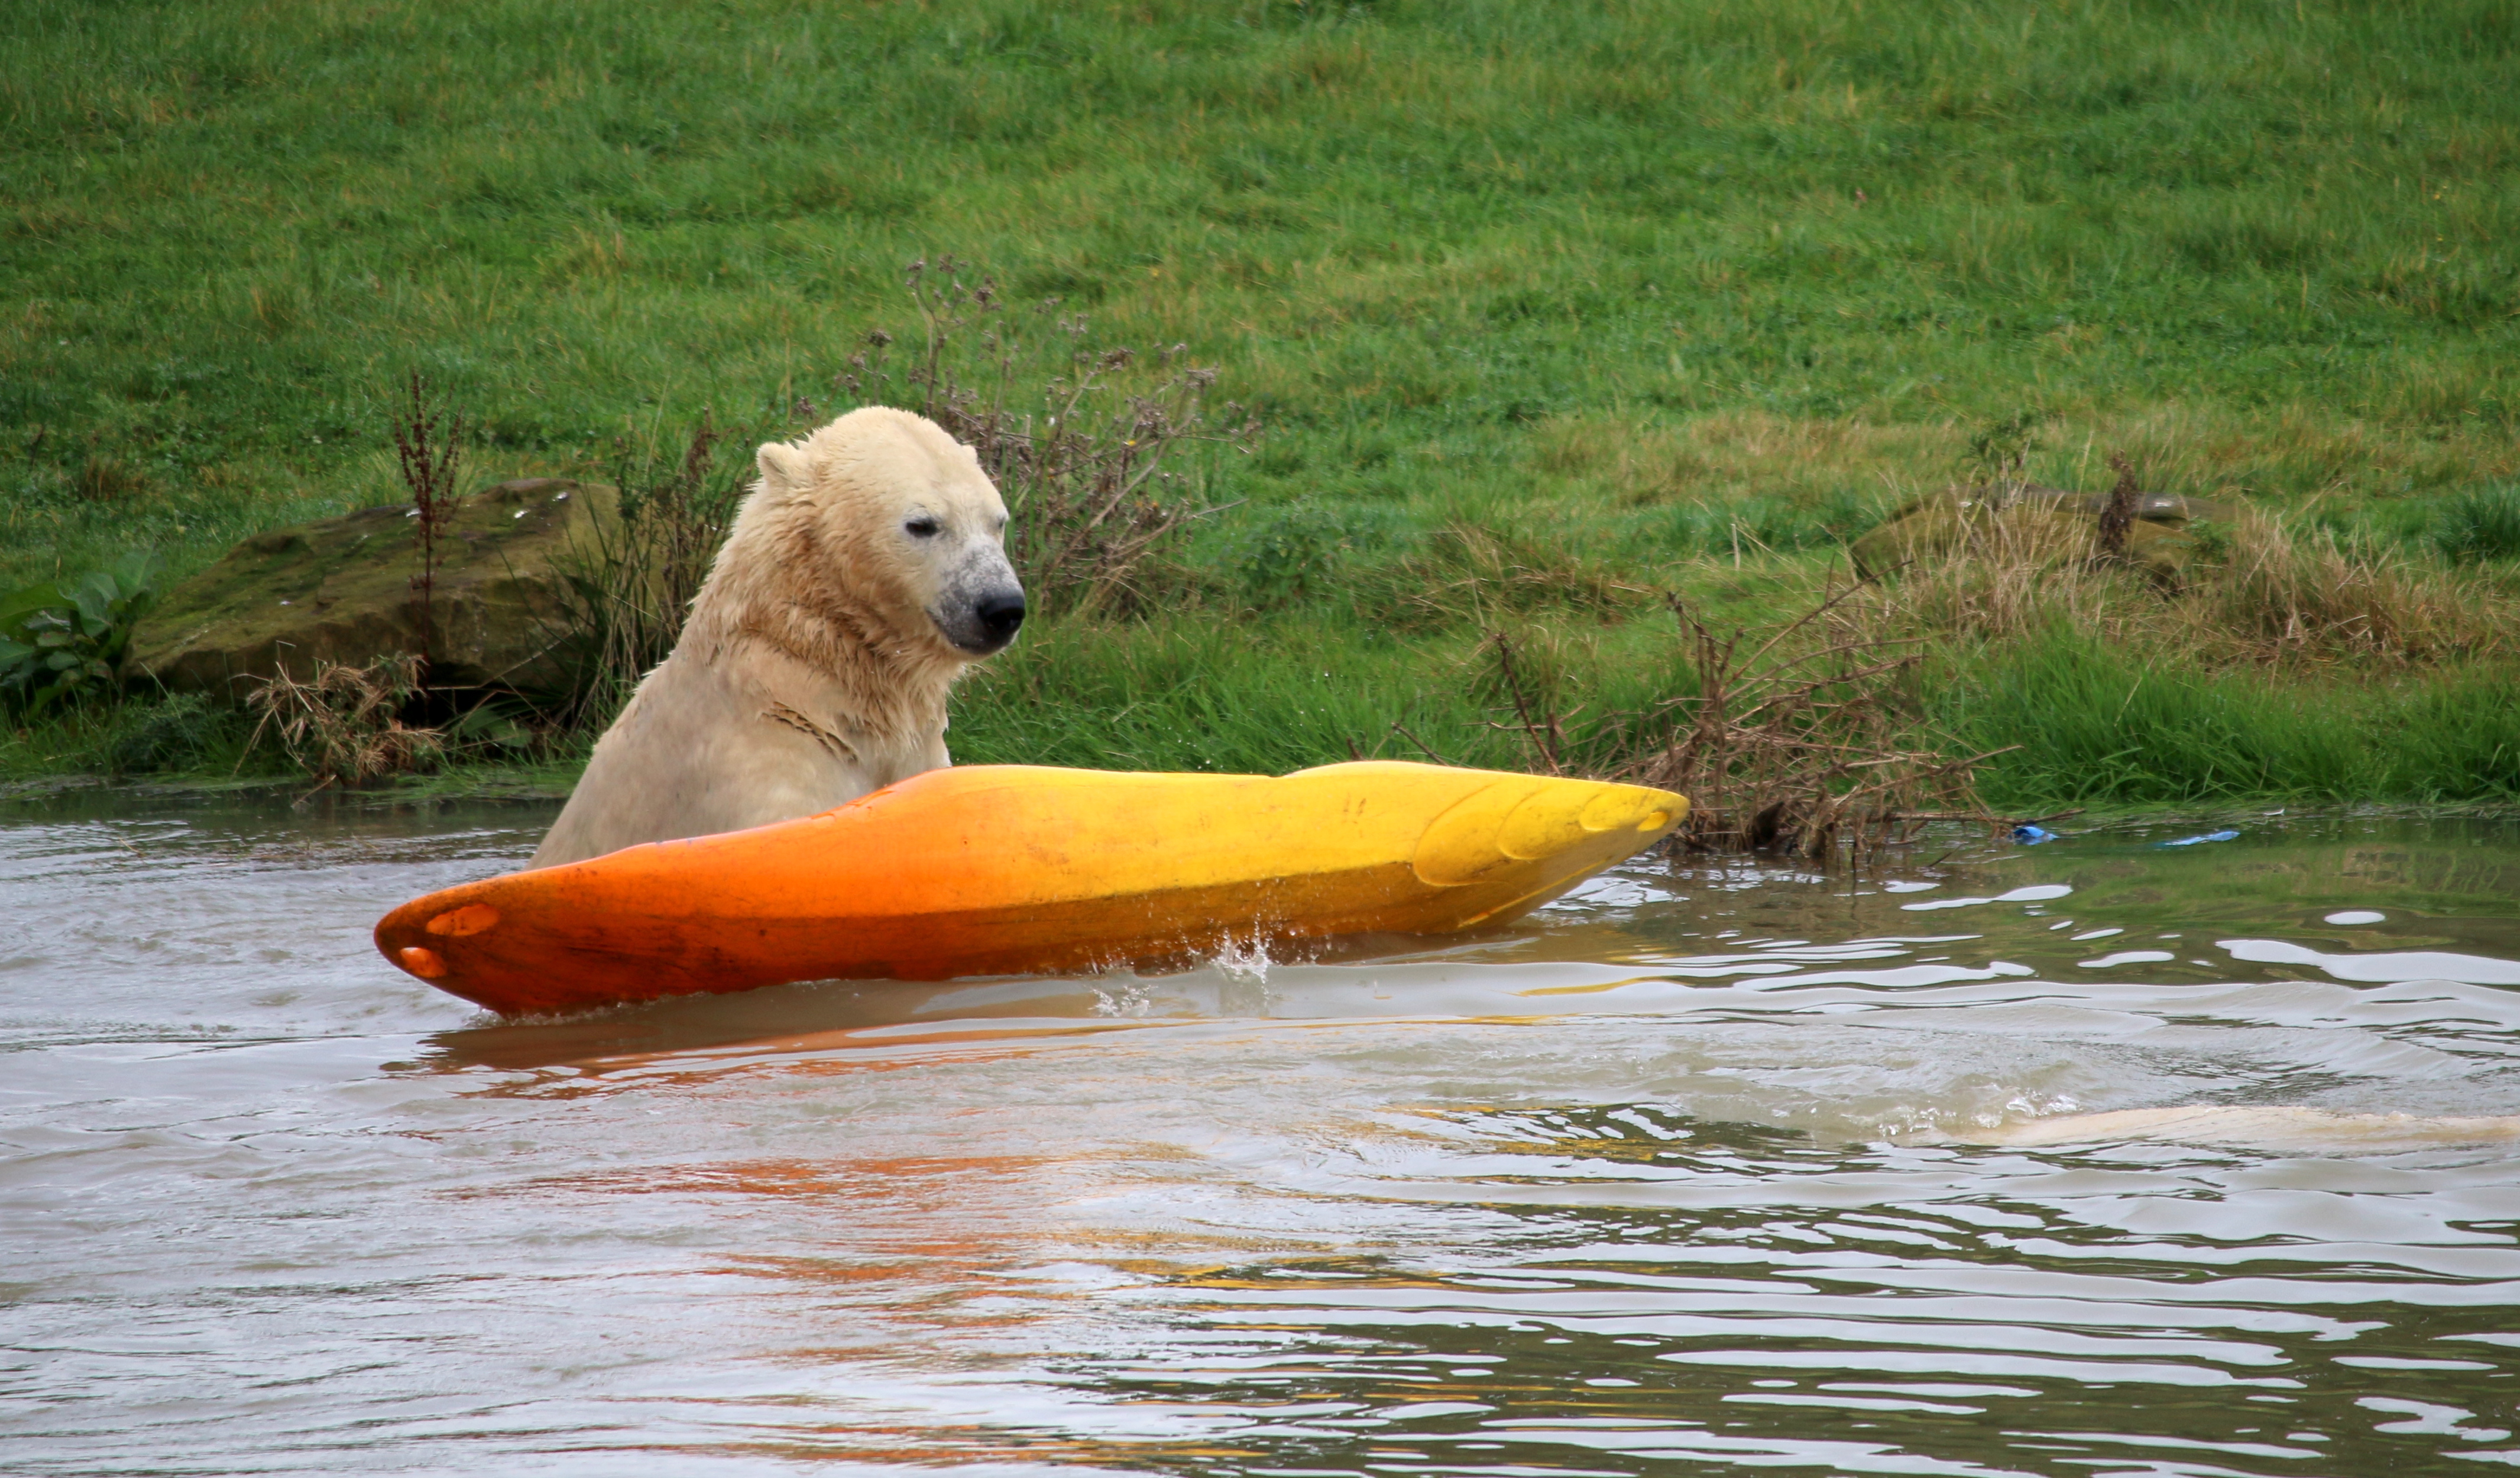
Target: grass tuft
2480	525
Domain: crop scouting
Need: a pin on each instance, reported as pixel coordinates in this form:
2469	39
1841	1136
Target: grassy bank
1548	312
2099	727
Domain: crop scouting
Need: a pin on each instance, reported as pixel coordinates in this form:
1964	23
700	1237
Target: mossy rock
2042	525
345	590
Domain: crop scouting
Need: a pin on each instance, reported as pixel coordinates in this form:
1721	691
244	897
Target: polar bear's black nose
1001	615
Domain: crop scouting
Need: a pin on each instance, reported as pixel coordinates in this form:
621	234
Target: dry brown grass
1804	745
1804	739
108	480
1466	574
1733	454
2290	596
2011	580
1799	739
2291	453
345	725
2262	592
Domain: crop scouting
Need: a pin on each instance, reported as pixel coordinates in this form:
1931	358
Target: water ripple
1714	1168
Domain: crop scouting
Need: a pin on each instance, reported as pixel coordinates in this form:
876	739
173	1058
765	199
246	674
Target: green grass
1679	294
1201	695
140	736
2099	727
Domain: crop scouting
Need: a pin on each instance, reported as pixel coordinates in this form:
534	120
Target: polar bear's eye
923	527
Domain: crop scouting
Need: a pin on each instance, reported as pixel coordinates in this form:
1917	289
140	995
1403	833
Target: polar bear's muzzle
983	604
997	614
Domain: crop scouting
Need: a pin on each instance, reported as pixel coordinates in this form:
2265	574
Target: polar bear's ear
783	468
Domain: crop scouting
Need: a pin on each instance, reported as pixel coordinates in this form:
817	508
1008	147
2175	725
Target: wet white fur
816	660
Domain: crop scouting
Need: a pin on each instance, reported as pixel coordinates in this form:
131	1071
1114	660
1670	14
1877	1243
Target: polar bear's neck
834	661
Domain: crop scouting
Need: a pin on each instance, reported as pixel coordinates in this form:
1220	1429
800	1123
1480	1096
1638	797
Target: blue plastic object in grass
2189	841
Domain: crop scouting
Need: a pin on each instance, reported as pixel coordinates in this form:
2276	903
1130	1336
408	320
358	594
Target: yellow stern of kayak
1011	869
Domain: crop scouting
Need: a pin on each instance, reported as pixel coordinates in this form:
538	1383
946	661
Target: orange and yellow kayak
1007	869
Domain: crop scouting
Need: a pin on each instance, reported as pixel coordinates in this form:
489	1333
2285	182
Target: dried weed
2258	592
345	725
625	595
1085	473
1802	744
2290	596
1465	574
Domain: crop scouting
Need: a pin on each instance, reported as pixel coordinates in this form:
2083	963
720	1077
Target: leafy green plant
61	639
2000	449
1285	554
500	727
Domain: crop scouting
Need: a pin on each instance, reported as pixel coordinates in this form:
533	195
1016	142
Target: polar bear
865	571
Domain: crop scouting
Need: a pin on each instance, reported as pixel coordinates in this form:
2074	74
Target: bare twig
1090	480
1428	749
1796	747
429	443
1545	739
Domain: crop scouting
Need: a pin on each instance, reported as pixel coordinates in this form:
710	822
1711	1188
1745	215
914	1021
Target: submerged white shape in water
1905	977
2126	956
1977	1363
1853	1403
2270	1126
1609	890
2384	968
2357	916
2039	892
2424	1416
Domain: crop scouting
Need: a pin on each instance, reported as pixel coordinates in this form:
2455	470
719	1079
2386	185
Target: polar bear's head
882	514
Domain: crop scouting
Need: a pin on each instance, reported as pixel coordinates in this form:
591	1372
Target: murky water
1674	1178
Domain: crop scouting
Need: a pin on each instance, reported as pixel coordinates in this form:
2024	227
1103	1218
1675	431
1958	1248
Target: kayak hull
1002	870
